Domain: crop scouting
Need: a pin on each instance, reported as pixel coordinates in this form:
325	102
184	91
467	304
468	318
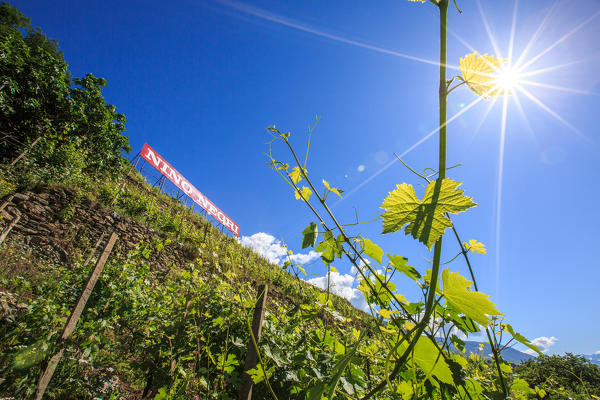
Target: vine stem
437	251
493	344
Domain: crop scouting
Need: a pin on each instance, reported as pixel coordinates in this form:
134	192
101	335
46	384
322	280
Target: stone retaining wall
57	224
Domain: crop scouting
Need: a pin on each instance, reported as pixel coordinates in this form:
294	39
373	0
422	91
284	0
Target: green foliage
400	264
474	305
79	132
562	377
372	250
520	338
309	235
411	339
425	219
179	331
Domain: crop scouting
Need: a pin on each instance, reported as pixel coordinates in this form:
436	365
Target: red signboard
178	180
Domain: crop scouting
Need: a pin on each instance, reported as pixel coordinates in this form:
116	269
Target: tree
39	98
562	377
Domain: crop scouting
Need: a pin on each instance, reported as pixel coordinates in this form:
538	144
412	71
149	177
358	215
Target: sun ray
499	191
560	40
489	31
261	14
512	31
553	113
525	74
484	117
524	116
555	87
411	148
461	40
535	35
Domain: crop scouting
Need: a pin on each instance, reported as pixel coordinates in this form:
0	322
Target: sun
507	79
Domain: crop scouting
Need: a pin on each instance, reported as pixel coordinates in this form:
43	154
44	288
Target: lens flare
507	79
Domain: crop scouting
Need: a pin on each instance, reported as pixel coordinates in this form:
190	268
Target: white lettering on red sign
178	180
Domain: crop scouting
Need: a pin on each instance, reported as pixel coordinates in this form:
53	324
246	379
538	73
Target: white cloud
265	245
363	267
529	351
304	258
544	343
273	250
342	286
598	352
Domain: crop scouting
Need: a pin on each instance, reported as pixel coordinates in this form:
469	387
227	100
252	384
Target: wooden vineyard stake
7	230
74	317
87	261
251	355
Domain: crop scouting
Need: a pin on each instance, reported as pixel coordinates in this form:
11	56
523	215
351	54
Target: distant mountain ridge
485	350
511	355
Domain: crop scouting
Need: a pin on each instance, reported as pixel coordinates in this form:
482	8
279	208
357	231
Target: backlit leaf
329	248
428	358
309	235
387	330
520	389
386	313
475	247
295	175
520	338
258	375
479	71
372	250
303	193
475	305
334	190
425	219
162	394
400	264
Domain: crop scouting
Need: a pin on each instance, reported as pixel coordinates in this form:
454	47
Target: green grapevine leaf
424	219
329	248
162	394
309	235
303	193
372	250
474	305
380	293
295	175
428	358
475	247
404	388
479	73
334	190
258	375
520	389
386	313
473	387
400	264
520	338
338	370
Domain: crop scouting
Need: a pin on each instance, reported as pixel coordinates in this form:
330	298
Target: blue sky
200	81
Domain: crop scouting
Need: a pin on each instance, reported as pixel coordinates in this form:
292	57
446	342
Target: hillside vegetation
181	331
